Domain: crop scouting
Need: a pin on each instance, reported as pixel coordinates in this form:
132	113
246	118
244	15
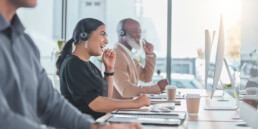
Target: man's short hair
120	26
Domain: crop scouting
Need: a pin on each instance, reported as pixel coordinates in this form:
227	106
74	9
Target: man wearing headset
128	71
27	97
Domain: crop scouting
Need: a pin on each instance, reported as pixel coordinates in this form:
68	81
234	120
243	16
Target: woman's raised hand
109	58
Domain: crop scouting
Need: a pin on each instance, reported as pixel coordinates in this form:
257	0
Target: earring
86	44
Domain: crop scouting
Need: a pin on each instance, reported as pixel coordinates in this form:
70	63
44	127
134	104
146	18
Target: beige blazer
127	74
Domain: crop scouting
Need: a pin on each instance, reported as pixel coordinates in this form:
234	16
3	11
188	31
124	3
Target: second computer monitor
215	61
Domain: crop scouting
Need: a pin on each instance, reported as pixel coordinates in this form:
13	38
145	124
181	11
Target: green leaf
60	44
229	85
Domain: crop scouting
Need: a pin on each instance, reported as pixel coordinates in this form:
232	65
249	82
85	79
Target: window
189	21
153	22
249	47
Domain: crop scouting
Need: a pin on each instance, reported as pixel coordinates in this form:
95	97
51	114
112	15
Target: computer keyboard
164	96
162	107
163	116
145	120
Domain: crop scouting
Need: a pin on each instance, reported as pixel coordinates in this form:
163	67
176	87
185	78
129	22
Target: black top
81	82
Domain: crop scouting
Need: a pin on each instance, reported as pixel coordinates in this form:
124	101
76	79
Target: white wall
115	11
249	28
42	25
110	12
189	20
35	24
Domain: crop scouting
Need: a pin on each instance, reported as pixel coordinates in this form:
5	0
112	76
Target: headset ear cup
83	36
122	33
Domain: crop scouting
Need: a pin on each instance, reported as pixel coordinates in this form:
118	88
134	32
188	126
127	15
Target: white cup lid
170	87
193	96
250	97
251	90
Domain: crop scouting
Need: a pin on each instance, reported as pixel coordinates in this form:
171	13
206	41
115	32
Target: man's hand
162	84
118	126
147	47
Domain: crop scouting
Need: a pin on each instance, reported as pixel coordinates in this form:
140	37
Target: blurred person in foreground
27	97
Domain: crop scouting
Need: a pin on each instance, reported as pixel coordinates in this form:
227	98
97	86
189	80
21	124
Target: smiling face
97	41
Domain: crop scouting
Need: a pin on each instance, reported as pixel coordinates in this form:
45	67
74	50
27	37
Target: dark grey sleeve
54	110
12	120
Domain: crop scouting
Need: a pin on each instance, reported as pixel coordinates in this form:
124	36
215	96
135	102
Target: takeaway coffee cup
171	92
192	103
251	100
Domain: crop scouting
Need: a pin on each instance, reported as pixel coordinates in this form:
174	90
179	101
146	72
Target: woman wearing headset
81	82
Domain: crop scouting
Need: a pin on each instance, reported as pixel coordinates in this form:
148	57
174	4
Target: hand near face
162	84
109	58
147	47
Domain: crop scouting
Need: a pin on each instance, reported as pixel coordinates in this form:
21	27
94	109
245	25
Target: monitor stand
222	98
226	107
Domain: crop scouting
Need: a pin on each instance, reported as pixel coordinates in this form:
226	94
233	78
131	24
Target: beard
132	43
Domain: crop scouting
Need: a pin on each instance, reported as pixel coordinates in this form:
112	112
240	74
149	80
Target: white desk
209	115
206	119
200	125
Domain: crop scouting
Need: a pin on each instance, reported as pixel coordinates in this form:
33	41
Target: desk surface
206	119
210	115
201	125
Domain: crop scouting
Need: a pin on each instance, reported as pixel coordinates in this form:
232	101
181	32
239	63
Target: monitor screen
215	64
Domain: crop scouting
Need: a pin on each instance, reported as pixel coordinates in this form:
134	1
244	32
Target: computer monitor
214	61
214	66
208	44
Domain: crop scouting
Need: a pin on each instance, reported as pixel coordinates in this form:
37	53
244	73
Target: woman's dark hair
86	25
